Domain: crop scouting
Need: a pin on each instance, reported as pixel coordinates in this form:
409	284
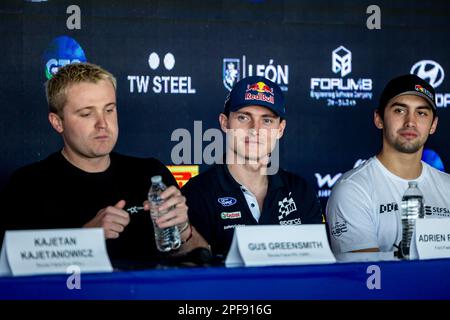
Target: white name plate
279	245
33	252
433	238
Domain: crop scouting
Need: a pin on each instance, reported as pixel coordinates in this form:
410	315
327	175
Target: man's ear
223	120
56	122
434	125
281	128
379	123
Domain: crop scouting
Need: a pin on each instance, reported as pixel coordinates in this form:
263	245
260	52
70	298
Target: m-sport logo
430	71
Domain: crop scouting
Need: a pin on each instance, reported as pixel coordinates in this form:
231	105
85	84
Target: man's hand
113	220
175	203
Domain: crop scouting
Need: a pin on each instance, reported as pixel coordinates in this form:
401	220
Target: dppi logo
61	51
432	72
161	84
231	72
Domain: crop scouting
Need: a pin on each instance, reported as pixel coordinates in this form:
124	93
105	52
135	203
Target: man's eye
84	115
268	121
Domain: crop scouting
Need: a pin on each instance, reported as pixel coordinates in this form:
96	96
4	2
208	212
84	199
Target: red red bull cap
257	91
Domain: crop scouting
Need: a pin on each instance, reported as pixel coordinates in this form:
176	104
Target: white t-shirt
364	207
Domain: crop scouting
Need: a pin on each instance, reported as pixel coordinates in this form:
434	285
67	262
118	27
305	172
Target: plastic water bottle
411	209
168	238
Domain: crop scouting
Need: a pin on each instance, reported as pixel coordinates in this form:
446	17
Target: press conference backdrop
175	61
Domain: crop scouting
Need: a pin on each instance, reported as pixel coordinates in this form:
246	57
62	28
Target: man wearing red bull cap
363	212
246	190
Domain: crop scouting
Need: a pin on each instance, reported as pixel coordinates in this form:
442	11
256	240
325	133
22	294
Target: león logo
233	70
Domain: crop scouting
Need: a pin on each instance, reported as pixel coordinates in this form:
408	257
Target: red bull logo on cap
421	89
259	91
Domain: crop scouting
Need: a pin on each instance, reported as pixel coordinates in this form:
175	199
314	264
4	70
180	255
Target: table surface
427	279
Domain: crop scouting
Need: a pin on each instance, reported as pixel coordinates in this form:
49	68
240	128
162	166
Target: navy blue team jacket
217	204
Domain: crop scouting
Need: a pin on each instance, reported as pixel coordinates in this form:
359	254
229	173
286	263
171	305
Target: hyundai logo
430	71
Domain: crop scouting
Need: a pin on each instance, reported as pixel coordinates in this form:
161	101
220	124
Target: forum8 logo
342	61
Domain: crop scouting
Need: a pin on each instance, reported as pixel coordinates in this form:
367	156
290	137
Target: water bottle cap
156	179
412	184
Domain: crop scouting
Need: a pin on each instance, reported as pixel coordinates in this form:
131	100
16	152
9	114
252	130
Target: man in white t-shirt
363	212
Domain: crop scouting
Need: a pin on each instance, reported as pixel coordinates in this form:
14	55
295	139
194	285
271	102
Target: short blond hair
56	87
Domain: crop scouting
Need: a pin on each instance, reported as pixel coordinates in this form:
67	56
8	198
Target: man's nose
410	120
101	122
255	126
